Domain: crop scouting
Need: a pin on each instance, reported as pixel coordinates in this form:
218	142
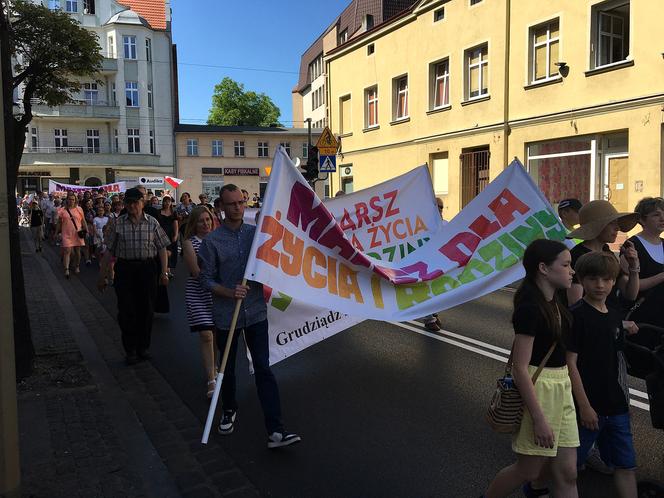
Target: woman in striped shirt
199	300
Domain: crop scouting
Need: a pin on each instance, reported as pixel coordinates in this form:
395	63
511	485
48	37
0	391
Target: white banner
300	245
390	220
57	187
295	325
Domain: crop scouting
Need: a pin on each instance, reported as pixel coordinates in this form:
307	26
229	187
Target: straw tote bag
506	408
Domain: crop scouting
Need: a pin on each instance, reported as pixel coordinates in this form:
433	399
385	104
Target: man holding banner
223	257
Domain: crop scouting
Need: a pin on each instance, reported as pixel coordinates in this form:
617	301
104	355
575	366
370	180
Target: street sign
327	144
327	164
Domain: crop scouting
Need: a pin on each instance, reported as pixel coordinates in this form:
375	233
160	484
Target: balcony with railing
109	66
85	155
78	109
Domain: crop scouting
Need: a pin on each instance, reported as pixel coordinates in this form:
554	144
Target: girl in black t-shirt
548	432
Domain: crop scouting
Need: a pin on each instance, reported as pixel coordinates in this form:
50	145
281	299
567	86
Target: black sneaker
227	423
283	438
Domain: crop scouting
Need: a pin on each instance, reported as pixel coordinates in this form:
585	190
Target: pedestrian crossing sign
327	164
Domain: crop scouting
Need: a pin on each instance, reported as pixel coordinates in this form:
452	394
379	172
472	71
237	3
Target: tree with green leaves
233	106
44	54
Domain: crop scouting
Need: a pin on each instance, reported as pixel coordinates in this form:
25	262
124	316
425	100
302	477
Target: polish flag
172	181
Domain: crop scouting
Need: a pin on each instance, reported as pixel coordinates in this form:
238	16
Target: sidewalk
92	427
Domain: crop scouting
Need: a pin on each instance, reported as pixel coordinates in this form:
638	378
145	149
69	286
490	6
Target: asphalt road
384	410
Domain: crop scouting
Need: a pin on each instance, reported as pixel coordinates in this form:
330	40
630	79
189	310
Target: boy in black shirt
598	374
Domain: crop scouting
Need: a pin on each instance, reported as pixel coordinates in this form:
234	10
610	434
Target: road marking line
440	337
467	339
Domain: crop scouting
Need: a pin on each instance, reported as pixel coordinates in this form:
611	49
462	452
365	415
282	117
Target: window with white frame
54	4
544	46
89	7
92	138
148	49
305	151
316	68
439	74
263	149
111	48
371	107
150	101
343	37
34	143
217	148
286	146
439	14
71	6
133	140
400	89
610	25
60	137
192	146
114	99
477	72
238	146
116	142
152	147
90	93
129	43
131	93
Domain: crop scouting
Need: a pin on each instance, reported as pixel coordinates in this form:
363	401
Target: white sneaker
283	438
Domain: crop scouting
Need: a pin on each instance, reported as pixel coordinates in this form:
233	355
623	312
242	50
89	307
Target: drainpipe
506	99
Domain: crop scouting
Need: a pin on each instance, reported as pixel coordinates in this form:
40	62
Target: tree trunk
14	141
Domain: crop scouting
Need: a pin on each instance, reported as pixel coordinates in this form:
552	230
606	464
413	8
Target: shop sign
241	172
151	181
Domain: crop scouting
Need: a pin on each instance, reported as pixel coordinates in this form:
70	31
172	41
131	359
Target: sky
267	37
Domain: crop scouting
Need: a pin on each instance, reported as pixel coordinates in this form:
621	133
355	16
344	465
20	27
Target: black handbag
82	232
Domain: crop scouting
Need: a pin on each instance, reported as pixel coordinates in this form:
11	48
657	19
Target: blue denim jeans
266	385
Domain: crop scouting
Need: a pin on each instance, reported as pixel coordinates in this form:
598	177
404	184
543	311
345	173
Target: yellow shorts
554	394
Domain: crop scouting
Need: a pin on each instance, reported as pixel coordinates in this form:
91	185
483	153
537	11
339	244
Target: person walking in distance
135	239
37	225
169	222
198	299
568	210
72	226
223	256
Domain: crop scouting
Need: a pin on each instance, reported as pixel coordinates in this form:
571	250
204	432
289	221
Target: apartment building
572	88
211	156
310	94
120	126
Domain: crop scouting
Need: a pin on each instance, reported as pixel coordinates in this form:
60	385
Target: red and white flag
172	181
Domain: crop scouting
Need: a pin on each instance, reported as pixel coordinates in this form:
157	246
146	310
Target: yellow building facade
572	88
209	157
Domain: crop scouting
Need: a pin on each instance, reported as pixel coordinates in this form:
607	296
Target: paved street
384	409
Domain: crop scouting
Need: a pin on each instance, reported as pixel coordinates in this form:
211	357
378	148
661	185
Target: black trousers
136	288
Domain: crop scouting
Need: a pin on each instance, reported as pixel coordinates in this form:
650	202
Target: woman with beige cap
599	225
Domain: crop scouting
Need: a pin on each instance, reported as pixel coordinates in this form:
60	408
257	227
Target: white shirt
656	251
